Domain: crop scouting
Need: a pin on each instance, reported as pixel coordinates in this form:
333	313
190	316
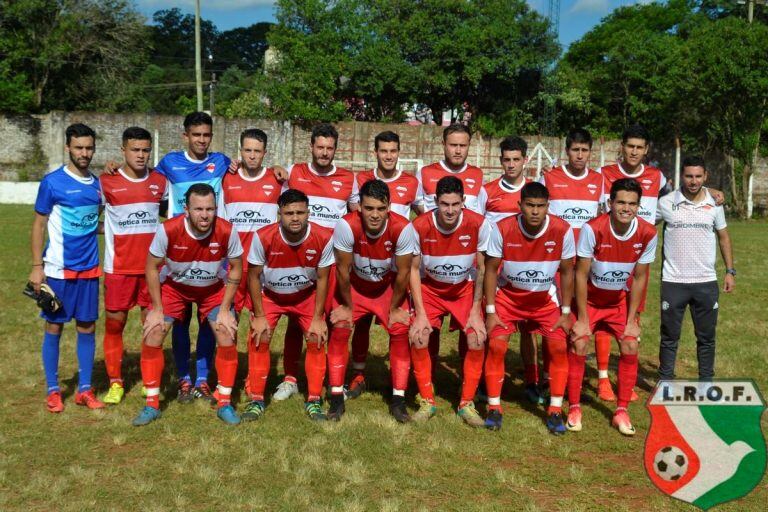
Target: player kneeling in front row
194	247
530	247
289	262
378	248
611	248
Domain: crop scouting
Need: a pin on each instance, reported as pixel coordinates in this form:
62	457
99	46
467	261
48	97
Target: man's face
374	214
81	151
387	155
534	210
449	208
136	154
323	151
633	151
624	207
512	164
252	154
198	138
294	217
201	211
456	147
693	179
578	156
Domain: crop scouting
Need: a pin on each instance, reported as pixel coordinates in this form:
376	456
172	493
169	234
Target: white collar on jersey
708	199
192	234
441	230
313	171
85	180
507	188
133	180
527	234
195	160
260	175
628	175
573	176
444	166
386	180
294	244
628	234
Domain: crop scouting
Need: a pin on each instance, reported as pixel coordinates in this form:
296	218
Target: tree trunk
736	191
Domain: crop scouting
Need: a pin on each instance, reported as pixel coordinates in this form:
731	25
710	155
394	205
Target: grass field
85	460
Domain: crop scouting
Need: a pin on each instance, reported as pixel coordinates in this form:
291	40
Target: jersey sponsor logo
448	270
178	168
196	274
605	246
530	276
305	180
116	190
138	218
273	253
86	222
464	240
705	445
248	218
561	185
514	245
611	276
323	212
291	281
372	271
180	247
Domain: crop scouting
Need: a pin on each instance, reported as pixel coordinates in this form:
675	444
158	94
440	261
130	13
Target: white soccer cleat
285	390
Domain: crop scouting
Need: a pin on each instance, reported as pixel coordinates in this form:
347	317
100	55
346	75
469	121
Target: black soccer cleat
336	407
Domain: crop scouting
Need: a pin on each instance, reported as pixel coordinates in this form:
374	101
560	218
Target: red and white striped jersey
328	193
651	180
290	268
575	199
251	203
196	263
529	262
614	257
470	176
131	218
373	258
448	258
403	188
502	200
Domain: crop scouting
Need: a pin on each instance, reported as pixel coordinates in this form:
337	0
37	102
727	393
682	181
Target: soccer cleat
470	416
398	411
555	424
622	422
115	394
146	416
493	421
203	392
574	419
336	407
315	410
481	396
532	394
605	391
53	402
143	391
89	400
228	415
285	390
634	397
356	388
426	410
185	394
253	411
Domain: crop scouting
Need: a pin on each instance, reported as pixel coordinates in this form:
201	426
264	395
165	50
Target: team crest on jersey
336	185
705	445
464	240
210	167
214	247
401	190
470	183
268	189
311	253
549	245
647	184
592	188
388	245
154	189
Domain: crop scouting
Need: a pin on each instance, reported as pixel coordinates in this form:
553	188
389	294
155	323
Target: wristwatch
731	271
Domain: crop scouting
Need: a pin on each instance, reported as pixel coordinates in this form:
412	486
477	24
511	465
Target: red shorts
123	292
641	307
538	321
176	300
378	306
437	306
609	319
242	297
301	310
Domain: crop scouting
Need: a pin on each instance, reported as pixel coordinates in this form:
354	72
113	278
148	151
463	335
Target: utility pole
211	88
198	64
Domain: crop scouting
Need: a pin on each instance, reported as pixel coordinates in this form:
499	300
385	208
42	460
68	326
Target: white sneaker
285	390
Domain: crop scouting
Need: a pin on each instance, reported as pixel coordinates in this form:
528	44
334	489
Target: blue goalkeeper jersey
183	171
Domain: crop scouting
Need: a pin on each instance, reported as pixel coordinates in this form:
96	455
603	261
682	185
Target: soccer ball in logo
670	463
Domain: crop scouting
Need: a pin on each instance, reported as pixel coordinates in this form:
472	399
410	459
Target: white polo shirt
690	241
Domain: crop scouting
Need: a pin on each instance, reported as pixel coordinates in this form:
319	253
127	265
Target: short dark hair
449	185
196	119
534	190
292	196
513	144
386	136
578	136
693	161
456	128
636	131
79	130
199	189
627	185
254	133
136	133
375	189
324	130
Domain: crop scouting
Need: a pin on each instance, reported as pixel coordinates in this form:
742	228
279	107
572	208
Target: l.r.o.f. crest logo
705	446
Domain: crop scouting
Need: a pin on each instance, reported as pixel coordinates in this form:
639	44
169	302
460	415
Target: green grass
84	460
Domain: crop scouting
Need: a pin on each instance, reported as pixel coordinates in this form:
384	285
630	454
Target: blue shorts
79	299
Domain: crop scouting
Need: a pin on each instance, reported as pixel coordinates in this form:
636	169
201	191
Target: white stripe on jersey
248	217
535	276
54	251
132	219
286	281
448	269
372	270
199	274
609	275
574	211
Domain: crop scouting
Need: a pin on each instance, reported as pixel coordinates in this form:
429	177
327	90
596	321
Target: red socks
314	366
627	377
576	365
152	362
226	369
294	340
473	370
338	355
258	368
434	346
603	353
113	349
399	360
558	366
422	372
494	370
